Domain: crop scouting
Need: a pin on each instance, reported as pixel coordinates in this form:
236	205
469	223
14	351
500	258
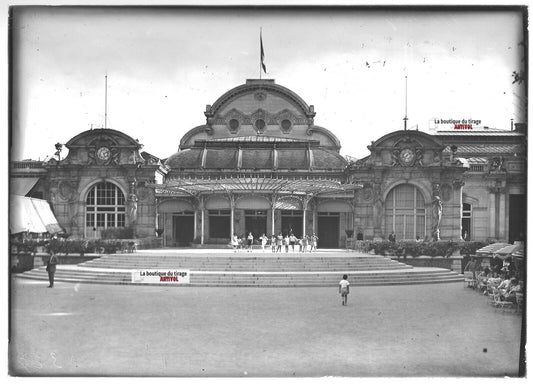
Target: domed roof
260	107
263	153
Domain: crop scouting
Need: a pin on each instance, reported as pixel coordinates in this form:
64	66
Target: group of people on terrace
500	282
307	243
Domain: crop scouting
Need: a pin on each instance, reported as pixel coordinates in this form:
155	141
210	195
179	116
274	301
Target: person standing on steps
250	241
292	241
235	242
264	240
279	242
314	243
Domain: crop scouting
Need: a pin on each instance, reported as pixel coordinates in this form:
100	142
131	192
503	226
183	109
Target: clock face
407	156
103	153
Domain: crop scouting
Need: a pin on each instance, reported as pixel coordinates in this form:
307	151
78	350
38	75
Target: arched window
405	212
105	208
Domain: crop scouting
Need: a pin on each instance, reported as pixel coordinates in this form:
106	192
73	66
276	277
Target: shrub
117	233
413	248
470	247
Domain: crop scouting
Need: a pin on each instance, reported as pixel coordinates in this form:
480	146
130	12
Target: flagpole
105	109
260	40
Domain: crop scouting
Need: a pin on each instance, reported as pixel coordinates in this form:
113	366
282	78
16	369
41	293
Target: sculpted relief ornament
407	157
132	207
67	190
437	216
103	154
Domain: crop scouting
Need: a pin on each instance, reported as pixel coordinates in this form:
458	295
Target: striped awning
31	215
508	250
303	186
491	248
477	160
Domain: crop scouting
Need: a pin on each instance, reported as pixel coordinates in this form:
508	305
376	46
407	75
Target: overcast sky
165	64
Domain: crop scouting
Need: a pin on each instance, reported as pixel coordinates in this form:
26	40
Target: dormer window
286	125
234	125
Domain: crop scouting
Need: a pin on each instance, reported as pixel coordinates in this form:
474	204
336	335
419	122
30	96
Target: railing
27	164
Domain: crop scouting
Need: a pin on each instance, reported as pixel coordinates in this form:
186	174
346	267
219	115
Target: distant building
259	164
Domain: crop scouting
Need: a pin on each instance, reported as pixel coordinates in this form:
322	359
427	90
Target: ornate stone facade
259	164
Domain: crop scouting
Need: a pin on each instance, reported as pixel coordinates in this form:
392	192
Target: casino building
259	164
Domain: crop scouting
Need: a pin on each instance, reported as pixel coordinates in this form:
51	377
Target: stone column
492	214
497	211
305	203
378	210
165	232
195	229
314	213
503	217
232	216
202	211
273	200
456	207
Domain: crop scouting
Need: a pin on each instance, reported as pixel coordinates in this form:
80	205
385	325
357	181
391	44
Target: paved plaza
418	330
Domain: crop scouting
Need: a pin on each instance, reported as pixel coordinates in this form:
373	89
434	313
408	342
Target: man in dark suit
51	269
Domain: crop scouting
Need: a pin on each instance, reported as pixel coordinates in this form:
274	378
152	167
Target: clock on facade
103	153
407	156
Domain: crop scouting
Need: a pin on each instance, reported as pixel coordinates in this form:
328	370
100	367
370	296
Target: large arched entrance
105	208
405	212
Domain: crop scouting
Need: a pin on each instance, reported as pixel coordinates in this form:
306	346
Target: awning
491	248
21	186
295	186
31	215
508	250
518	254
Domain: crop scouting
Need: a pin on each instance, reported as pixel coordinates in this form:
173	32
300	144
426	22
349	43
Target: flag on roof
262	52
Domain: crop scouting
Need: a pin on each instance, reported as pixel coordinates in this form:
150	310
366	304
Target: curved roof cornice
92	134
185	141
326	132
255	85
402	134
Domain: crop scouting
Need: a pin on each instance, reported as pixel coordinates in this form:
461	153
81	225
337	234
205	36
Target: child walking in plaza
344	289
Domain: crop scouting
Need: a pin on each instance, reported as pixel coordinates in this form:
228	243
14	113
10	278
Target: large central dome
260	108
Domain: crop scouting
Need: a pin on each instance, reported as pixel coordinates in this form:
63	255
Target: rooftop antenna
405	118
105	108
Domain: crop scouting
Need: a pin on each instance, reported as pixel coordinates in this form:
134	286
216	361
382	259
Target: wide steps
259	279
250	270
240	263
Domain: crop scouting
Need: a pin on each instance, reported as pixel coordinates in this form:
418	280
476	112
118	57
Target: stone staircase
250	269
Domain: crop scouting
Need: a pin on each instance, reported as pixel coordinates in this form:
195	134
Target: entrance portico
241	204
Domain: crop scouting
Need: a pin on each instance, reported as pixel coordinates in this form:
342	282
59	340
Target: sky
165	64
